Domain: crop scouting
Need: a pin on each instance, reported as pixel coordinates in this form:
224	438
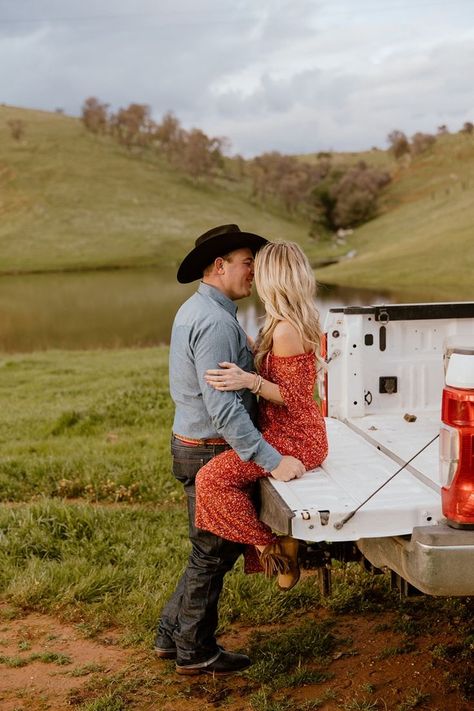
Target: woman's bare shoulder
286	340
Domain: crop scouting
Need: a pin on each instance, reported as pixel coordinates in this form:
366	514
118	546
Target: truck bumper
435	559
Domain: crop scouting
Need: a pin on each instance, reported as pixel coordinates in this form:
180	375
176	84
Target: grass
45	657
95	529
97	427
415	698
262	701
75	201
72	200
360	705
356	590
421	244
86	669
289	650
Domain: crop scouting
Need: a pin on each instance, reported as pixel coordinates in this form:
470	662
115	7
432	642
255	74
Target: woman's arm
286	342
231	377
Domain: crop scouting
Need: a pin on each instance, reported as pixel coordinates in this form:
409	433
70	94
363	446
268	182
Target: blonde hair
286	285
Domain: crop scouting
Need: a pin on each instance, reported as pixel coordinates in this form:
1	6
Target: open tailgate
308	508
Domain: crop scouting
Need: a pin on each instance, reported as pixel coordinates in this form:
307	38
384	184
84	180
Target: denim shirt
205	333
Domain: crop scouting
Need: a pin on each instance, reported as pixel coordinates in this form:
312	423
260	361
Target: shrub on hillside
94	115
285	178
420	142
356	195
468	128
347	197
399	144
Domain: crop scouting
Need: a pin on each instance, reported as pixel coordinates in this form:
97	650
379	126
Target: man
205	333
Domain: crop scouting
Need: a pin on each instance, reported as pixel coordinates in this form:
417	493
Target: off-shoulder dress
224	485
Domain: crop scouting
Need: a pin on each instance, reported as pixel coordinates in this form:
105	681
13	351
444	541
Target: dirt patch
380	661
42	660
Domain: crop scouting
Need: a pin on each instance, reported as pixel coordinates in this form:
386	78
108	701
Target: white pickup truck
398	395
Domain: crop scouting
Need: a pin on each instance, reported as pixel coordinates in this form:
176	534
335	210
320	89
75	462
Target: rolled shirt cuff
267	456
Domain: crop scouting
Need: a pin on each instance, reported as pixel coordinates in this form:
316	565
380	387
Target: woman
286	354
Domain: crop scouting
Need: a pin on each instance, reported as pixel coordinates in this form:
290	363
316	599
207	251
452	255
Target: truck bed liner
309	507
401	439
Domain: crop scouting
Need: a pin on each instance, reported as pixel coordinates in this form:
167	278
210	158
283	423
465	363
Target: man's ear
219	264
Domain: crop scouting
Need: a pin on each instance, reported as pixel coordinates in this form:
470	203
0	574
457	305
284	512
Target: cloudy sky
290	75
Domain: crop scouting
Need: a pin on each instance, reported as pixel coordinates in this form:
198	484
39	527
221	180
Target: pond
112	309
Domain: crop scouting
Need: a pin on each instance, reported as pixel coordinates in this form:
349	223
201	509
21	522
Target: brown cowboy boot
280	558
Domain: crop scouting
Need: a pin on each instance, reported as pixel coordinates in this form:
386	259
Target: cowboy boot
288	578
280	558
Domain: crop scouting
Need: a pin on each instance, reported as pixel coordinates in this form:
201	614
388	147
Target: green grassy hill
69	200
422	244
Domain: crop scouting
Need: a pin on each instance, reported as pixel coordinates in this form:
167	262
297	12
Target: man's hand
289	468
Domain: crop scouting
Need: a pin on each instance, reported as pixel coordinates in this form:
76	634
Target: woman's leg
224	507
223	500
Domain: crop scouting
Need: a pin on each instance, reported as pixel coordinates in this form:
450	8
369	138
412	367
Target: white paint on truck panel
413	354
353	469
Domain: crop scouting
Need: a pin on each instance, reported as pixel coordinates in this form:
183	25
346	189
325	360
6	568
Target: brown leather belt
190	442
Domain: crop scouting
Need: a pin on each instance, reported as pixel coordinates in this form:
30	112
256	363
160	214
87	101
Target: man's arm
226	410
228	414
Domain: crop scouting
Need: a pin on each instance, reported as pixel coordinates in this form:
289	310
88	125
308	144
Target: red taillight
323	380
457	456
457	407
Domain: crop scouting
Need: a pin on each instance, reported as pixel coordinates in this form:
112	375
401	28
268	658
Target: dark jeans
189	619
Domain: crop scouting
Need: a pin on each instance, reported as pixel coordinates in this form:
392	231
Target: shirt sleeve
211	345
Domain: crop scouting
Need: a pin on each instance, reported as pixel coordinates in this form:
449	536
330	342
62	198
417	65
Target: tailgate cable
339	524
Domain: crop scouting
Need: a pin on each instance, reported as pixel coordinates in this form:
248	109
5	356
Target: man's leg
164	642
189	619
211	558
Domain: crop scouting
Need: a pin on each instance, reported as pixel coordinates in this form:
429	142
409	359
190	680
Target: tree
284	177
169	136
200	154
347	197
94	115
468	127
399	144
133	125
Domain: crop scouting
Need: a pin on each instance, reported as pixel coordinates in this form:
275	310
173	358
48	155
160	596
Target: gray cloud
288	75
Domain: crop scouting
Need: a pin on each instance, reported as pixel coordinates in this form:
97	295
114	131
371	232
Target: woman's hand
229	377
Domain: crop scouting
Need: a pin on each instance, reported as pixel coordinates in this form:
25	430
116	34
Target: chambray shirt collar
217	295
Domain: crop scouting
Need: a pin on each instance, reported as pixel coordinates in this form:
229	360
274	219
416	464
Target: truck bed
384	362
309	507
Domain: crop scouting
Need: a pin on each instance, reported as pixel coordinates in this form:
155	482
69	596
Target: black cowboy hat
215	243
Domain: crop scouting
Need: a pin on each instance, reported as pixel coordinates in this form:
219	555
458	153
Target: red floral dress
224	485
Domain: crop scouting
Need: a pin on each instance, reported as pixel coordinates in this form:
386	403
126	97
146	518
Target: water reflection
114	309
251	311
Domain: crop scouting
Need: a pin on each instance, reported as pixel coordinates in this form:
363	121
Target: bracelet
258	385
